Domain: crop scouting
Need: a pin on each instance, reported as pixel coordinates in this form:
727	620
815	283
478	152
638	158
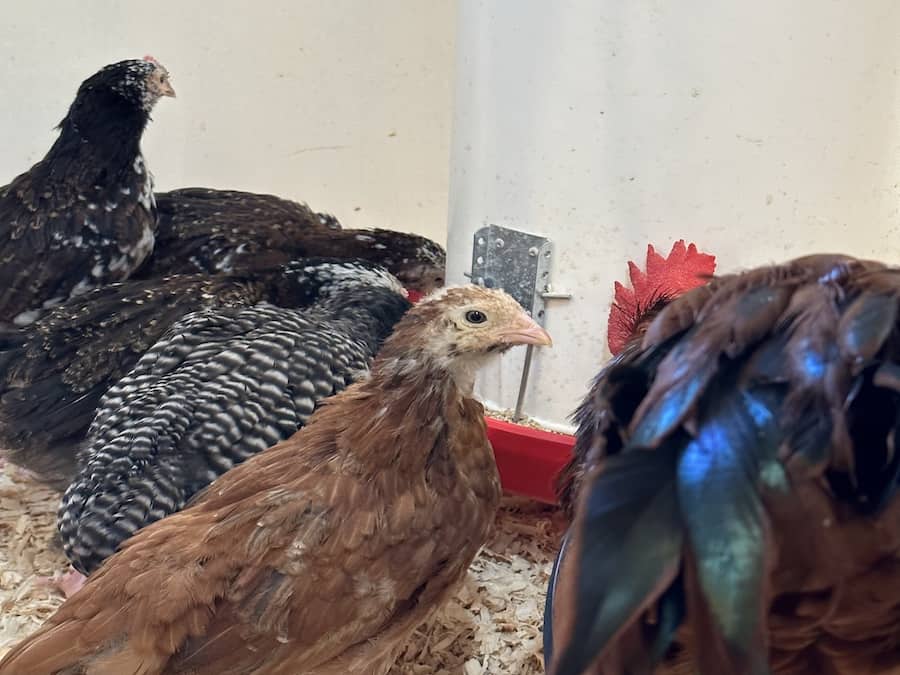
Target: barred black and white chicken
54	372
84	215
220	386
735	484
207	230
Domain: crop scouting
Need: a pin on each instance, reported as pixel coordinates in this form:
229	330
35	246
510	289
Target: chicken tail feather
50	650
728	532
630	521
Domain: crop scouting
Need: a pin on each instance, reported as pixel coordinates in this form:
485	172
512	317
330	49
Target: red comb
685	268
149	58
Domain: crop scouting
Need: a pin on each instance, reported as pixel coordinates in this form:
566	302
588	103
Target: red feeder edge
528	459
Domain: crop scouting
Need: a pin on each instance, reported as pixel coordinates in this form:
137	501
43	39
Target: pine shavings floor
492	625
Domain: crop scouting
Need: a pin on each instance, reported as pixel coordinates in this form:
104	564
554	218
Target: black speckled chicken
84	215
54	371
206	230
737	511
220	386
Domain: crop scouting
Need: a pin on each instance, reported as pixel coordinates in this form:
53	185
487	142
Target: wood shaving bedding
491	626
507	415
27	551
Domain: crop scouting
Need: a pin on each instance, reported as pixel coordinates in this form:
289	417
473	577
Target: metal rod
517	414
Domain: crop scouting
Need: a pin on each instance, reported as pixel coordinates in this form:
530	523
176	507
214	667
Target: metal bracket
517	262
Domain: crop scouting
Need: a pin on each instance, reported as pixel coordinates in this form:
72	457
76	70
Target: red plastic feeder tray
528	459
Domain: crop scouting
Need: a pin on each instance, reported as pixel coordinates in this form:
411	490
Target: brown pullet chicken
738	507
322	554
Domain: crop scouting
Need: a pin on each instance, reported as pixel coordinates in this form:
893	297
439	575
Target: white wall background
760	130
345	104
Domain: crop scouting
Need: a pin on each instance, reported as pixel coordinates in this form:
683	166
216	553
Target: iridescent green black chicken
735	484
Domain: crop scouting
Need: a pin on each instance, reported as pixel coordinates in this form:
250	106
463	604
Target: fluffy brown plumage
84	215
206	230
321	555
741	495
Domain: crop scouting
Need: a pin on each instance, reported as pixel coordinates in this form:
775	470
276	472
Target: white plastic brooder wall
759	130
345	104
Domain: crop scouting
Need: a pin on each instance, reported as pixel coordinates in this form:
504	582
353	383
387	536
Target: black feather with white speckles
54	371
221	386
206	230
85	214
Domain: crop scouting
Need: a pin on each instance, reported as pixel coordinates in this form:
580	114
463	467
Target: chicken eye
474	316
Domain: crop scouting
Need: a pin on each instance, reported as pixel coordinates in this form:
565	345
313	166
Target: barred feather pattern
219	387
54	372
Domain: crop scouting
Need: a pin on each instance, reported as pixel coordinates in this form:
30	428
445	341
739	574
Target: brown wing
204	230
355	583
283	563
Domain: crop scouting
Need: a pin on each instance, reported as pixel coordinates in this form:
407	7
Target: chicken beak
525	331
166	89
